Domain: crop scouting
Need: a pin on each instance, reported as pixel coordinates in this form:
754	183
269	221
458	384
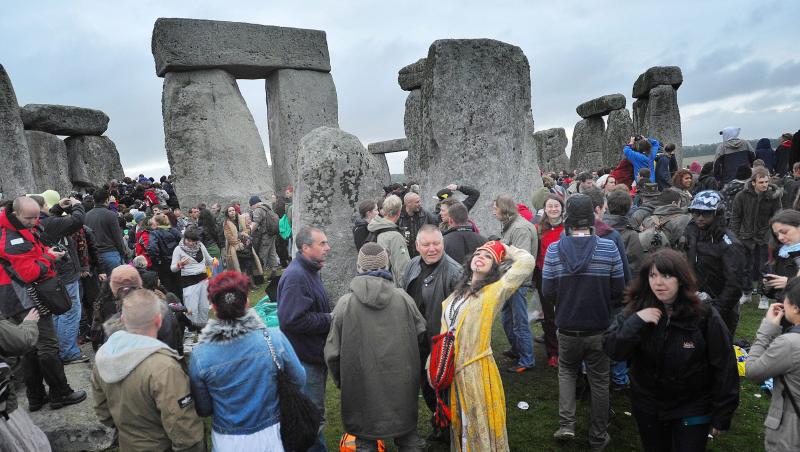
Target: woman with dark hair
784	241
549	230
239	253
191	259
477	401
684	382
208	233
775	355
706	181
233	374
682	182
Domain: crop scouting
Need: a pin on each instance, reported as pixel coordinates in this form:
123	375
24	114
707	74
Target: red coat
142	242
623	173
27	256
545	240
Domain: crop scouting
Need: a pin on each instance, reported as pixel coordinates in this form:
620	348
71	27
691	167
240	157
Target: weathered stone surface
601	106
410	77
297	103
335	172
100	158
587	144
386	174
64	119
244	50
477	126
657	75
640	115
388	146
49	161
664	118
551	146
213	146
75	427
16	172
619	129
412	122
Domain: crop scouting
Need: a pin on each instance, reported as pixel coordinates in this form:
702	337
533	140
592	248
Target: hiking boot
69	399
744	298
37	404
79	359
510	354
763	302
553	361
564	434
519	369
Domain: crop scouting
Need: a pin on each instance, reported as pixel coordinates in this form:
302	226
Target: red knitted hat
495	248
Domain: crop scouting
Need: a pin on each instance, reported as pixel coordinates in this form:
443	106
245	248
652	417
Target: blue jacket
639	160
665	166
304	312
582	275
233	377
764	152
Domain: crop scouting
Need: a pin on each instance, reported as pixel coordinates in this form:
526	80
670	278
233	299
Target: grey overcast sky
739	59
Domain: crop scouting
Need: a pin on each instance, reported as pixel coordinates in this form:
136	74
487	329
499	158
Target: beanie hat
254	200
124	277
372	257
743	172
495	248
580	213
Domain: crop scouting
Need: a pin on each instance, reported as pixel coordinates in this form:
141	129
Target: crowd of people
640	271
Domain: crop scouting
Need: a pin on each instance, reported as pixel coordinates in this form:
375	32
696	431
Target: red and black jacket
24	251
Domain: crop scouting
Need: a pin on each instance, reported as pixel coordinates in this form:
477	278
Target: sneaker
79	359
71	399
763	302
564	434
553	361
744	298
510	354
519	369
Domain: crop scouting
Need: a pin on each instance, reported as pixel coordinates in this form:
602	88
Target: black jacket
664	169
410	225
731	155
679	368
163	242
57	230
469	202
436	287
782	266
705	182
360	233
461	241
105	224
751	212
717	258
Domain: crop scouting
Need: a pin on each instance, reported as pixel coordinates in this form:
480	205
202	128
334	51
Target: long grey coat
775	354
372	353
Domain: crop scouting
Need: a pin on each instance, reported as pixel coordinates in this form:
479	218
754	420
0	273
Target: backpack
654	237
166	243
373	235
270	221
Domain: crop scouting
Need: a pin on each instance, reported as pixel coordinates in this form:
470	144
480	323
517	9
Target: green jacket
521	233
395	245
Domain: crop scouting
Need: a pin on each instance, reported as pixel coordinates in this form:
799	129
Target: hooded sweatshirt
732	153
373	356
582	275
139	385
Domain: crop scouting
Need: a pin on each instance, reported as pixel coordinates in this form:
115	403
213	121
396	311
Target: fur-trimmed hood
227	330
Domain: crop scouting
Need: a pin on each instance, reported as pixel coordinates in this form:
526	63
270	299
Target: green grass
532	429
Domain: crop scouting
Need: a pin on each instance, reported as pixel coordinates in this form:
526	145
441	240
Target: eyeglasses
703	213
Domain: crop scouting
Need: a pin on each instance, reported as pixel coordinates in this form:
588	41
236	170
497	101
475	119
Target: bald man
412	217
140	387
26	259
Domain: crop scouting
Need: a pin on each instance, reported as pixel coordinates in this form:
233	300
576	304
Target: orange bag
348	444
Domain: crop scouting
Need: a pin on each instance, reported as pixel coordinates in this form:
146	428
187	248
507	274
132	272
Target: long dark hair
786	216
207	222
667	261
464	287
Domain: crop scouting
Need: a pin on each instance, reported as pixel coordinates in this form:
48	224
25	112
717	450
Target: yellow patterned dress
477	399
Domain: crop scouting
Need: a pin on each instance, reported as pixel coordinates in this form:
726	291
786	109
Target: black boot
69	399
36	404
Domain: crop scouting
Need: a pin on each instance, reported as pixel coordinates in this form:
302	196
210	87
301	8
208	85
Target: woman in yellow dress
477	400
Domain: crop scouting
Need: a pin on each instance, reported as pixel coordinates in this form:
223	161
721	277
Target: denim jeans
68	323
517	328
316	376
619	372
109	260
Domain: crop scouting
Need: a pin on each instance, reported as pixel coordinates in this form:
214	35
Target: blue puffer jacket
233	377
639	160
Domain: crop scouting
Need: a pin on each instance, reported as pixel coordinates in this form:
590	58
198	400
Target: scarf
786	249
191	250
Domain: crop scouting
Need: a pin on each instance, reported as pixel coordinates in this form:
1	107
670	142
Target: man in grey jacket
429	278
518	232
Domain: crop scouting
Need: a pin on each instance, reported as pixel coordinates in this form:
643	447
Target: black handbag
300	419
49	295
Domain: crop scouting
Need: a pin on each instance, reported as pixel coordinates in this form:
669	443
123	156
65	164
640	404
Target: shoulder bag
300	418
49	295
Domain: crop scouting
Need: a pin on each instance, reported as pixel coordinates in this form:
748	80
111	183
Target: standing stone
640	116
16	170
477	126
64	119
619	130
386	174
657	75
78	173
664	118
49	161
379	151
243	50
100	158
410	77
213	146
601	106
297	103
335	172
551	145
412	122
587	144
